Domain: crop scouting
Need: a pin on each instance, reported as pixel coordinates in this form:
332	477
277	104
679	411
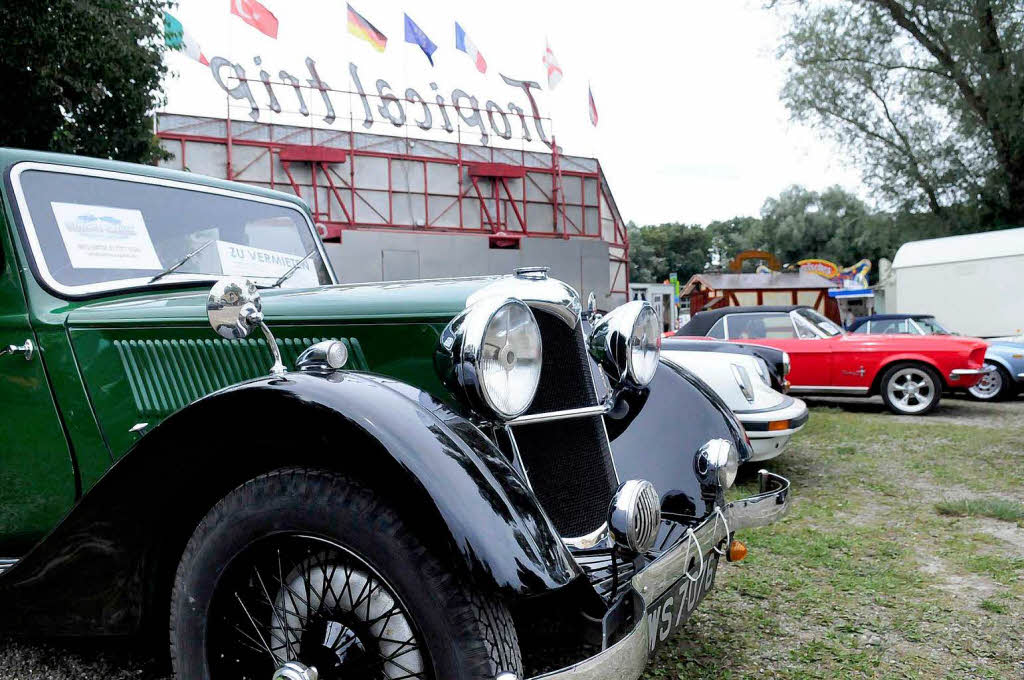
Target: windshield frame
813	324
37	261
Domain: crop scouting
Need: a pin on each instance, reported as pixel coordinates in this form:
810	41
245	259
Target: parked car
909	372
1004	355
743	381
450	479
776	360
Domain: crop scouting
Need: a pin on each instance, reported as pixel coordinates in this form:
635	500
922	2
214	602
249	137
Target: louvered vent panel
166	375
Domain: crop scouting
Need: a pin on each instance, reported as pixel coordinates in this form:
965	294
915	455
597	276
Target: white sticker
239	260
99	237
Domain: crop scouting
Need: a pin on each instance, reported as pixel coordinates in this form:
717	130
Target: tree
927	97
657	251
82	76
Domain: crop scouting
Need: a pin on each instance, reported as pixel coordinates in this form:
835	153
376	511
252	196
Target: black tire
463	633
910	401
995	386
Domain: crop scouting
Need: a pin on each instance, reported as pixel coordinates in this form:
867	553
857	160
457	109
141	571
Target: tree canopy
657	251
926	97
82	76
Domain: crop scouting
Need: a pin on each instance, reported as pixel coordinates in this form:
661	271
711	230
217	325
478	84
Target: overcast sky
690	129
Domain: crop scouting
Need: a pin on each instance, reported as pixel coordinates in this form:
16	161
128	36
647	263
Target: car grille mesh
568	462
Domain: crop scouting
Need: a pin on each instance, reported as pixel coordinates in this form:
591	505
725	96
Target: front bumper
769	431
959	374
626	659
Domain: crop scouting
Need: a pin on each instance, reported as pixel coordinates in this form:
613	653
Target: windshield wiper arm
177	265
294	268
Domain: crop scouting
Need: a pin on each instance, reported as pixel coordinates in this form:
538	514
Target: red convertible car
910	372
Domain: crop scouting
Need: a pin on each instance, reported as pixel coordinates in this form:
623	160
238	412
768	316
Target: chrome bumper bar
958	373
627	658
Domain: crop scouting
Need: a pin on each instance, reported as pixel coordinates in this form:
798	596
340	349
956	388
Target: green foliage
82	76
656	251
925	97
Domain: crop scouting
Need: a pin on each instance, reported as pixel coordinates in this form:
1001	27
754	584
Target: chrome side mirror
234	309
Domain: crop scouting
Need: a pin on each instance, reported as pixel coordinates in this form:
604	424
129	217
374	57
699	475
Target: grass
996	508
875	573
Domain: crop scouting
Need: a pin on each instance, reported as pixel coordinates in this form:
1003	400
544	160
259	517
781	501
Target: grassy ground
903	555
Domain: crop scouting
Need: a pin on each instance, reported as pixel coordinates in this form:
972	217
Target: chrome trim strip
958	373
121	284
1021	376
591	540
627	658
549	295
598	410
6	563
826	389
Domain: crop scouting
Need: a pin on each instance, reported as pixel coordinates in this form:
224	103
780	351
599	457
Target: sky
690	126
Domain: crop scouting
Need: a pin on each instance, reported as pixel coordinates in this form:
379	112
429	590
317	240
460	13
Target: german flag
361	28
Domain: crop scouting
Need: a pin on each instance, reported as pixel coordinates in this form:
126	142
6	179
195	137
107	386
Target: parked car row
909	371
464	478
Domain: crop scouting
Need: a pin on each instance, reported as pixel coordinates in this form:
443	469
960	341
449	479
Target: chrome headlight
491	355
722	457
634	517
627	343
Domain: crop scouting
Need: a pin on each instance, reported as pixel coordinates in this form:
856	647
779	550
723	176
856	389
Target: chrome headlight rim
723	459
613	340
460	355
634	516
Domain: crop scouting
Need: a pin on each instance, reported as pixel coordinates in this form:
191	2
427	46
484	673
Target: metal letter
413	97
491	109
386	100
474	119
525	85
240	91
368	122
294	82
322	86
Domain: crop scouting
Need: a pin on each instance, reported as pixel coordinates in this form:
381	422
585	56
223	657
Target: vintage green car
466	478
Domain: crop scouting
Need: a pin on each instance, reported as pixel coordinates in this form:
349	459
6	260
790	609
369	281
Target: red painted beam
313	154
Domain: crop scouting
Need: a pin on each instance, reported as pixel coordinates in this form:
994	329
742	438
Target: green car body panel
116	361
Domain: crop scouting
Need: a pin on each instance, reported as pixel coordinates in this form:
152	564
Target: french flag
464	44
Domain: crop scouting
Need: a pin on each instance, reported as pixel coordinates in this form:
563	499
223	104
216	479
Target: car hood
388	301
912	342
716	369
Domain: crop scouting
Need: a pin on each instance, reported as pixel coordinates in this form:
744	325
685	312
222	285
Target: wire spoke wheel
911	390
296	598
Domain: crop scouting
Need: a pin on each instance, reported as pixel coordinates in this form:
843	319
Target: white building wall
983	298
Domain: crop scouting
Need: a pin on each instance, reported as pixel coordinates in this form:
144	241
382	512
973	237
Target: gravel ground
22	659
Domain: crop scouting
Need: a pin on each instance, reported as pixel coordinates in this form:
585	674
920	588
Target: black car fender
114	555
659	432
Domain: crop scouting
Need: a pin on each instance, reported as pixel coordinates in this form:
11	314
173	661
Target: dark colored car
776	361
432	479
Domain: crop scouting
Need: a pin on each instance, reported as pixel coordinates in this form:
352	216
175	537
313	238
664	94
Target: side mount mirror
234	309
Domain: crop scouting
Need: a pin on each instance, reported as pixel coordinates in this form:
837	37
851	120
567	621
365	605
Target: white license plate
676	605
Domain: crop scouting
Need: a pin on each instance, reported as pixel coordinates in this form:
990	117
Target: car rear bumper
627	658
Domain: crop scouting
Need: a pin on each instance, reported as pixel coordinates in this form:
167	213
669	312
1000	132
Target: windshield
930	326
819	322
95	233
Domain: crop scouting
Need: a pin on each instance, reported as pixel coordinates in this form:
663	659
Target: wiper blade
294	268
177	265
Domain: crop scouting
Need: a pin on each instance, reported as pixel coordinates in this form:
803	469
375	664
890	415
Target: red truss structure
361	181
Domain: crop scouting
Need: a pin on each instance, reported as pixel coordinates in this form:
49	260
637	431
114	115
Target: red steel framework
333	159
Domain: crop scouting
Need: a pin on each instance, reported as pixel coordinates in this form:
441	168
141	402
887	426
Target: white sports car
743	382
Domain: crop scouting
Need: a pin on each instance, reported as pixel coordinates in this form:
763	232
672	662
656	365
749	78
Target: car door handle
27	348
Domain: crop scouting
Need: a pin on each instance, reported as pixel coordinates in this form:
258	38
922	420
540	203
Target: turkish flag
256	15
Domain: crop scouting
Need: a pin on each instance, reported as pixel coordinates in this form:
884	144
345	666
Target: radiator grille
166	375
568	462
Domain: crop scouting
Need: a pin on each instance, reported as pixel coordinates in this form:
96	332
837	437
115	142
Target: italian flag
177	38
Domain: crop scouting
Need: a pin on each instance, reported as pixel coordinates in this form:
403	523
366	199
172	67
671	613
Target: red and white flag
592	106
464	44
256	15
554	70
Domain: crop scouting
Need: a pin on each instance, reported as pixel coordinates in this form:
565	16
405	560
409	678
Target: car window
91	233
718	330
863	328
892	326
930	326
743	326
820	323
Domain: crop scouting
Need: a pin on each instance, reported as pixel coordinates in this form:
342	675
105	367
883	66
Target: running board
6	564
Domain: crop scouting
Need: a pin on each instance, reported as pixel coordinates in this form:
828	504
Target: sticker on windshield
99	237
239	260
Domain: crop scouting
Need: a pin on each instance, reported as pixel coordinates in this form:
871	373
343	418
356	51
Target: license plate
674	607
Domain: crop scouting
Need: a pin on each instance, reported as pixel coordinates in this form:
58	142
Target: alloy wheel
306	601
911	390
989	387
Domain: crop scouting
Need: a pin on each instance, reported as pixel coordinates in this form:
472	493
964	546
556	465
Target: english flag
464	44
177	38
592	106
256	15
554	70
